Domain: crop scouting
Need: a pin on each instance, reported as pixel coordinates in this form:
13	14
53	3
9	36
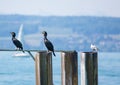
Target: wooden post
43	65
89	68
69	65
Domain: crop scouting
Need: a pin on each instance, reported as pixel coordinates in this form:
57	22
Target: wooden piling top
90	52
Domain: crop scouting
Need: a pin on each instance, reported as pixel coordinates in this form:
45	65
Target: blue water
21	71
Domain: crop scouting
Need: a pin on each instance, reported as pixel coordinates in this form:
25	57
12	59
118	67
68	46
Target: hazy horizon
107	8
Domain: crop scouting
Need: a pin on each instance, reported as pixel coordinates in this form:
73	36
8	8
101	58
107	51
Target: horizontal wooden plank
36	50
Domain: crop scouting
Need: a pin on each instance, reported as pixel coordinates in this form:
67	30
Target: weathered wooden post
69	65
43	65
89	68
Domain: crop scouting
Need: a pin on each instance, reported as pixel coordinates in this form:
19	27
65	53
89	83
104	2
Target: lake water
21	71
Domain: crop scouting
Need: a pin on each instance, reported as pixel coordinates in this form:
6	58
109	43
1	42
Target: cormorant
16	42
47	43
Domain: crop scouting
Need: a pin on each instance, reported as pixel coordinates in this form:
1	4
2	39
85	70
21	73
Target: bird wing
49	45
17	43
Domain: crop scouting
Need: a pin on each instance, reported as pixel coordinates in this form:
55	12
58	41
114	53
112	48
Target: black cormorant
47	43
16	42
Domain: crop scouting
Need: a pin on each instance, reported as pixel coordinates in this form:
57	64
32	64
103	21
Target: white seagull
94	47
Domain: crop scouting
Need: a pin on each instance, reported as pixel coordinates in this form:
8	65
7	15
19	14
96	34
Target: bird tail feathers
54	54
22	50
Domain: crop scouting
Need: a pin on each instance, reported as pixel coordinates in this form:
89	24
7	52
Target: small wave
3	73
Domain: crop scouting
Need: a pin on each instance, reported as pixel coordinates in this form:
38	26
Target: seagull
47	43
16	42
94	47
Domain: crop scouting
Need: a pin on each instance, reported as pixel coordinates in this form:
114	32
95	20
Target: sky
61	7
